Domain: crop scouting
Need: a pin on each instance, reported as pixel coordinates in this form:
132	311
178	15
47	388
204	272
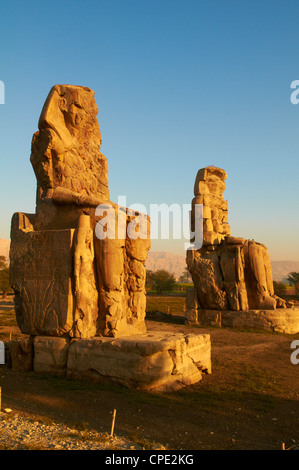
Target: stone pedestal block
20	354
283	320
50	355
155	361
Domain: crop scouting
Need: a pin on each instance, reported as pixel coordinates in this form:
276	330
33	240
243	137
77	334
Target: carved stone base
282	320
155	361
158	361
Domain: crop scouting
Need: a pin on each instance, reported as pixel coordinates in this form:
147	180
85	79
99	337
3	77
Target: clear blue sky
179	85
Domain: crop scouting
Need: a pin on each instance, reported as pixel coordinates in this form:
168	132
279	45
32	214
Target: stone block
50	355
191	316
280	321
52	273
283	320
41	279
20	354
192	299
156	361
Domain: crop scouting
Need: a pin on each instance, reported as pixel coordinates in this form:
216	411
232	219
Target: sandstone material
208	191
84	281
53	277
20	354
50	355
156	361
229	273
121	274
191	316
192	299
66	156
40	274
281	320
67	280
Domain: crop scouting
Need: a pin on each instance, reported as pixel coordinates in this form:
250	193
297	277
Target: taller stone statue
67	281
229	273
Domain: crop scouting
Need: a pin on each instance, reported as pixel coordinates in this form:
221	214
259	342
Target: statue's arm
62	196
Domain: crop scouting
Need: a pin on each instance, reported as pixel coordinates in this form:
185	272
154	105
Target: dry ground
250	401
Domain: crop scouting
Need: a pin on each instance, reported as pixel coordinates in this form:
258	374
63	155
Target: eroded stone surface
50	355
229	273
66	157
52	273
279	320
157	361
208	191
150	362
20	354
68	281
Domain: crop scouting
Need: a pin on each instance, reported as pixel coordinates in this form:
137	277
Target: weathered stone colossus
67	281
208	188
229	273
78	266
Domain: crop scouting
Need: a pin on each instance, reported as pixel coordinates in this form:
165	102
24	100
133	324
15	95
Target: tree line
4	277
159	281
164	281
280	288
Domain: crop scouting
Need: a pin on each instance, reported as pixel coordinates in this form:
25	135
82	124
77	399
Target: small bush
280	288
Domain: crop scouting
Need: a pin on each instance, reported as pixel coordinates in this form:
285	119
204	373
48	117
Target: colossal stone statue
77	267
229	273
67	281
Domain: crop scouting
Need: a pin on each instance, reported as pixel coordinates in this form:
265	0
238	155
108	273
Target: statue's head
71	111
65	151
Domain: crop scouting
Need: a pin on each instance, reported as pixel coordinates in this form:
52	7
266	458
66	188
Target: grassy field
165	304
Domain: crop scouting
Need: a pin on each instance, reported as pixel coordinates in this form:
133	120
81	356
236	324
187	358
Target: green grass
180	289
172	305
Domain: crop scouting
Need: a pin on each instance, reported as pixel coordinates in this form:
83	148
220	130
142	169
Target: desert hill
177	264
280	269
171	262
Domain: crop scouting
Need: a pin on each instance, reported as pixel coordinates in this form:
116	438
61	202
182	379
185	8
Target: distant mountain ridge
176	264
281	269
171	262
